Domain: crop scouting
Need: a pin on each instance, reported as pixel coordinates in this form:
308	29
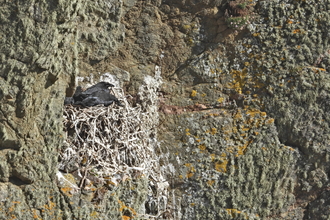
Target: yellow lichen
186	27
239	80
94	214
189	175
253	112
242	149
188	164
193	93
238	115
220	100
213	131
202	147
221	166
210	182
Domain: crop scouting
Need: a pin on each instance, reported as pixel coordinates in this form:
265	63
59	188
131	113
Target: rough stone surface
244	121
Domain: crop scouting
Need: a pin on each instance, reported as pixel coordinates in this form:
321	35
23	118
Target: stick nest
110	142
107	145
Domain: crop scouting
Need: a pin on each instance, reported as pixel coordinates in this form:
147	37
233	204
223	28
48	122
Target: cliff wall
242	130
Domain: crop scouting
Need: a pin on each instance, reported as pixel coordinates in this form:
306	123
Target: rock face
243	121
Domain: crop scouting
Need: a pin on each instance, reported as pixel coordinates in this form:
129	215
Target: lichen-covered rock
244	117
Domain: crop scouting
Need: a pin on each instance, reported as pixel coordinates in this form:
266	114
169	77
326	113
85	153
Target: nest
114	143
107	140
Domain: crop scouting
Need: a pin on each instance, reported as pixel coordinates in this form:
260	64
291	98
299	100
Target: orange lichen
210	182
269	121
66	190
11	208
296	31
233	212
35	214
124	207
12	217
50	206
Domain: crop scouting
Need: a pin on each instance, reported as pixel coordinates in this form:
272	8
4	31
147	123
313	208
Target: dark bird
80	95
94	95
97	98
